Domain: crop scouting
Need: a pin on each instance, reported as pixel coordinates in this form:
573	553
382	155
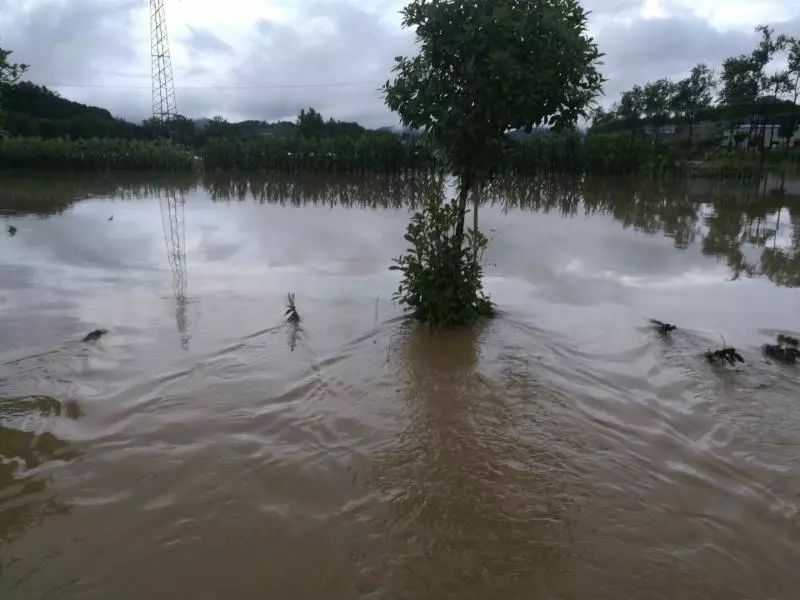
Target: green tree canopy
694	93
310	123
9	75
740	80
485	67
793	65
658	98
9	72
632	105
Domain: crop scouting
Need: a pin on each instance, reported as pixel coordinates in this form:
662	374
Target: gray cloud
201	40
644	50
342	52
71	43
331	55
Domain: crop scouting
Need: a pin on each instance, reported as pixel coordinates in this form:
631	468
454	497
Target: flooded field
204	448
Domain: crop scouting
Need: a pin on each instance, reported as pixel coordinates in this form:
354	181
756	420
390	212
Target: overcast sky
264	59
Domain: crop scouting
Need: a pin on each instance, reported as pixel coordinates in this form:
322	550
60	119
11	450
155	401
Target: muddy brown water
205	449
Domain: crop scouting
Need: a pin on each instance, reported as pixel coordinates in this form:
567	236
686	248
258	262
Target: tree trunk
691	131
476	200
463	192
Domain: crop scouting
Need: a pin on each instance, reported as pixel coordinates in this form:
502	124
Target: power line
277	86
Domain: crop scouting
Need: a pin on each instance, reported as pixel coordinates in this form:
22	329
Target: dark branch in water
727	355
95	335
291	310
663	328
787	340
12	231
786	351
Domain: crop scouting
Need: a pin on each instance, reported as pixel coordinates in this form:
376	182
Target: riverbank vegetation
371	151
93	154
751	102
734	121
383	152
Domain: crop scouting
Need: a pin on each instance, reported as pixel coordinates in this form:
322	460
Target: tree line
30	110
747	90
35	111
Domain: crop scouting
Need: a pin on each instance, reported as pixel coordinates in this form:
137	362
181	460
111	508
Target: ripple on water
472	464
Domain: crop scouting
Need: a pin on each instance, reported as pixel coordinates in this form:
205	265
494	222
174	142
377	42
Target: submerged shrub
442	277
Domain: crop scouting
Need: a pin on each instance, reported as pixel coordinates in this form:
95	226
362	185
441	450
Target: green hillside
33	110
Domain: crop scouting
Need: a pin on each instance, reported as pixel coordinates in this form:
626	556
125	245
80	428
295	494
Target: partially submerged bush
442	277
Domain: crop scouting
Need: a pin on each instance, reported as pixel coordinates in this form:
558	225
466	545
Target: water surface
204	448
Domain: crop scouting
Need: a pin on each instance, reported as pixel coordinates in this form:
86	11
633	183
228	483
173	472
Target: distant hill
33	110
36	111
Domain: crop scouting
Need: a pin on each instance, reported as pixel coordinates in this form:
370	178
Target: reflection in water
52	193
173	221
364	191
477	506
727	219
24	452
730	220
580	457
294	333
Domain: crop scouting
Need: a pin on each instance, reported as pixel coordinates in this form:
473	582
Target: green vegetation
35	111
609	154
33	153
480	99
9	74
755	107
371	151
484	67
442	282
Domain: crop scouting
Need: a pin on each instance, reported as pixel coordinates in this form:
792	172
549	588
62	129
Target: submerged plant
95	335
726	355
291	313
786	351
663	328
442	277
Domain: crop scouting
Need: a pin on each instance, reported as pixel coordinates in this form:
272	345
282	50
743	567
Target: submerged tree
486	67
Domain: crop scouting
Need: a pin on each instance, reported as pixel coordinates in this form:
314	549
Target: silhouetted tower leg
164	107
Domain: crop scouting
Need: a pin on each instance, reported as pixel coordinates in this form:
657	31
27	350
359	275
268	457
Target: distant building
739	137
702	133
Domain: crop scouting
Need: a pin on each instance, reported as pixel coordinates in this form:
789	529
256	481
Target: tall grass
572	153
93	154
371	152
385	153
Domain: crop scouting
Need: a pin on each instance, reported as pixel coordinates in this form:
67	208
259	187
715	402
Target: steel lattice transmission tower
164	107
